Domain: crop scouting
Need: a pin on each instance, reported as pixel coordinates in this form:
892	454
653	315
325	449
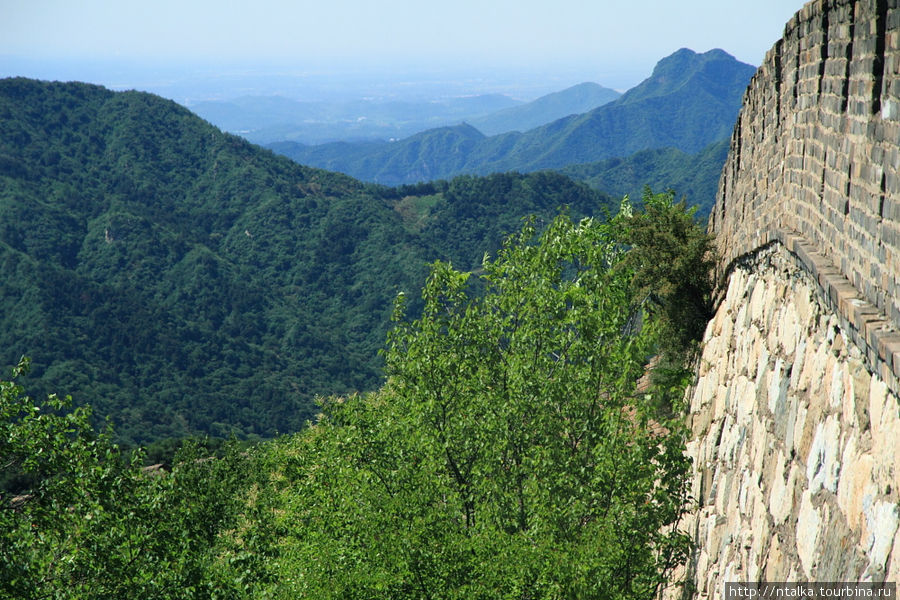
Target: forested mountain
689	102
693	176
184	281
577	99
474	470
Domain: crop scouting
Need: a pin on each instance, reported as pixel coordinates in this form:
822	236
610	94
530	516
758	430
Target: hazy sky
618	39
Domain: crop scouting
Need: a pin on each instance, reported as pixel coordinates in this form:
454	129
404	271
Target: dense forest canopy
514	438
511	453
517	450
184	281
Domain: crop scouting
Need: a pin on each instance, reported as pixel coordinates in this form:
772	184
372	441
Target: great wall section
796	442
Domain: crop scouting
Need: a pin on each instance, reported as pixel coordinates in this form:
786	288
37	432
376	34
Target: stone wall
797	444
816	153
795	413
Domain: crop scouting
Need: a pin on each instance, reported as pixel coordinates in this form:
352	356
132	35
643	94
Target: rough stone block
807	534
855	482
887	343
875	328
881	520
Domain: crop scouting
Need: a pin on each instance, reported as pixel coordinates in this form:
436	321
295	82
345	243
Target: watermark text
793	590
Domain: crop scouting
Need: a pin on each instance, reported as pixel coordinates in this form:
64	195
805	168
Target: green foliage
695	176
514	452
472	215
189	284
89	522
510	454
672	259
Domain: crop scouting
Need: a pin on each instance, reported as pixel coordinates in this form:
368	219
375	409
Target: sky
123	43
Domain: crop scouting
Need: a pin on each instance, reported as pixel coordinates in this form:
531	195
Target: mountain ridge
688	113
184	281
273	119
576	99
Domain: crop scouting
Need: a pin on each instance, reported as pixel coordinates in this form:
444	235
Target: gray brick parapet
873	333
815	164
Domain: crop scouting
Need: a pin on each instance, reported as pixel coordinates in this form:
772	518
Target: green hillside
184	281
518	450
689	102
693	176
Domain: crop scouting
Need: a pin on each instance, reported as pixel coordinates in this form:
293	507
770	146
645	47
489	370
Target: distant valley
184	281
266	119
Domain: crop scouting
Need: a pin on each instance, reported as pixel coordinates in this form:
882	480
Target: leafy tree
509	455
672	260
88	522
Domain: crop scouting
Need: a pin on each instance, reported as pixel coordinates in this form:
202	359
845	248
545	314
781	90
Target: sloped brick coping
872	332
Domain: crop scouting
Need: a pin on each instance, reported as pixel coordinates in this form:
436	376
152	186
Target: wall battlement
815	156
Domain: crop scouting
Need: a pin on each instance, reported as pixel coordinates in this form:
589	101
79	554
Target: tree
510	453
81	519
672	260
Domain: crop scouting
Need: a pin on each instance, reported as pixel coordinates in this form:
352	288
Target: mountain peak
675	70
686	54
461	130
577	99
690	101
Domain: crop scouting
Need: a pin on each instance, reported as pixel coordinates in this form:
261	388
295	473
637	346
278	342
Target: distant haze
200	49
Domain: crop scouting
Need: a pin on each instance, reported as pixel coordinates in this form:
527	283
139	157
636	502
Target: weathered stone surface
796	412
809	525
814	162
879	529
796	454
822	466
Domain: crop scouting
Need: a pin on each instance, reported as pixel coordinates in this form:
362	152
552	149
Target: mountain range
690	101
184	281
577	99
268	119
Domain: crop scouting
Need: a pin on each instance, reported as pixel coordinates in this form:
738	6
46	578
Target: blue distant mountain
690	101
577	99
266	119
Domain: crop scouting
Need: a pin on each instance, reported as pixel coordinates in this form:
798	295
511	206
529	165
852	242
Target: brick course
815	161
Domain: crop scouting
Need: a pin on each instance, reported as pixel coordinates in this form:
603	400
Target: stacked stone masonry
815	155
795	414
796	444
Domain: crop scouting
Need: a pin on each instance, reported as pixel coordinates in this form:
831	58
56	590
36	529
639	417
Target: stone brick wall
816	155
797	443
796	407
